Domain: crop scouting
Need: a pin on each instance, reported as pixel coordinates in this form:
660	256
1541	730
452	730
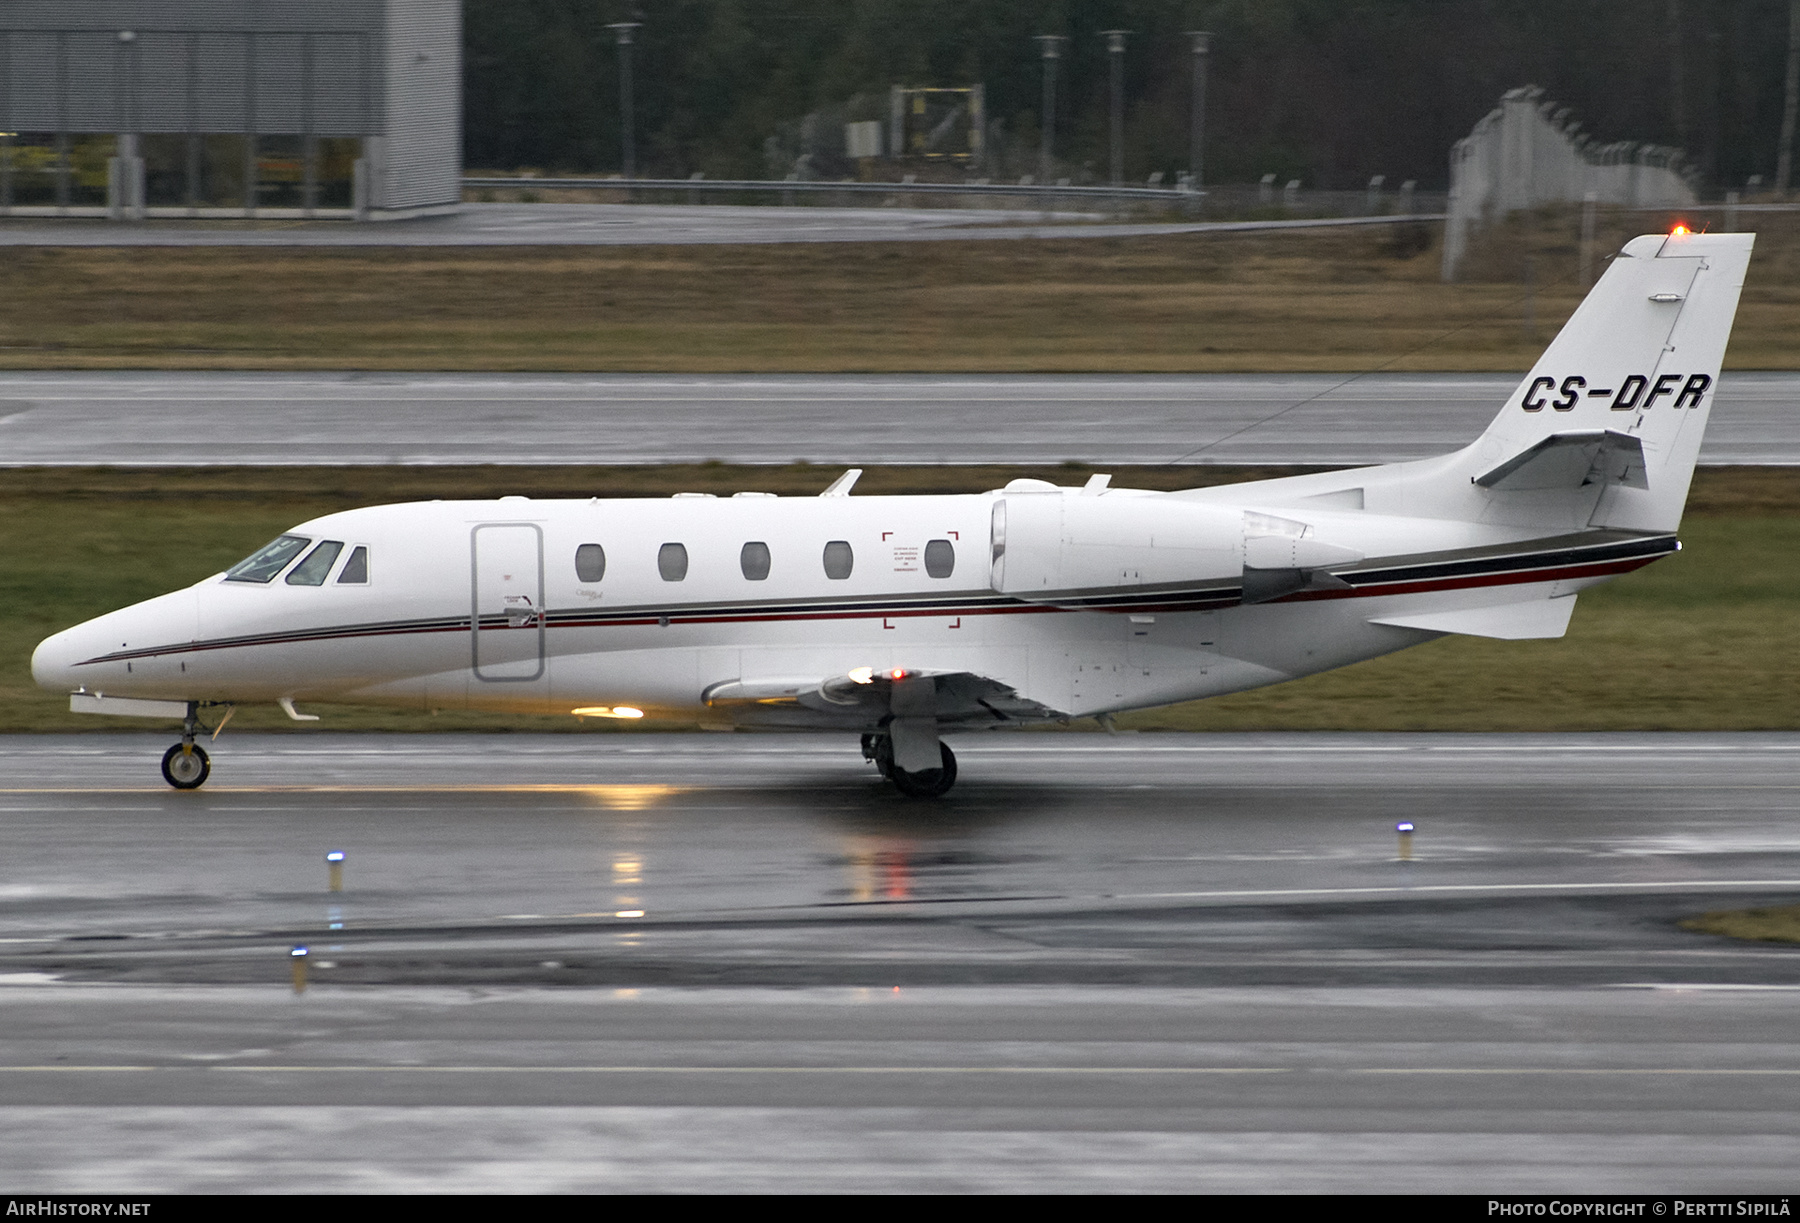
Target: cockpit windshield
317	566
263	564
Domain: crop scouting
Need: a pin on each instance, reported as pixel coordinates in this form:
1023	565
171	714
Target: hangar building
230	108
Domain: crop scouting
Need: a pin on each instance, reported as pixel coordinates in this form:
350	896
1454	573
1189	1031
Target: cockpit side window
263	564
356	569
317	566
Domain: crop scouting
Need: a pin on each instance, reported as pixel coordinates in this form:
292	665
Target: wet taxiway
182	419
634	961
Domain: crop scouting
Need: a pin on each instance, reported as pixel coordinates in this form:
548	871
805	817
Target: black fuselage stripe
1558	559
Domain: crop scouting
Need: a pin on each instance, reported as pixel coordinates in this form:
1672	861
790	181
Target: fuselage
1115	602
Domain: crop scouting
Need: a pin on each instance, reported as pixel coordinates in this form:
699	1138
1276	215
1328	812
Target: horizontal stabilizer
1570	460
1507	621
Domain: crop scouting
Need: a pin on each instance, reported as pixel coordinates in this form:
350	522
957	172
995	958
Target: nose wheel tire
186	766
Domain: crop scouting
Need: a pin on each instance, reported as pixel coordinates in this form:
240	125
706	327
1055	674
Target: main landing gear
186	766
920	783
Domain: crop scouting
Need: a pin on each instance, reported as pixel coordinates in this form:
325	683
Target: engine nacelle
1075	550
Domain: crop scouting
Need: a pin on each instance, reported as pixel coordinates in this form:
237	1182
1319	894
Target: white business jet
905	618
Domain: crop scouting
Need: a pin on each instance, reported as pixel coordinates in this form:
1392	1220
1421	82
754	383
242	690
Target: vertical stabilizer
1631	374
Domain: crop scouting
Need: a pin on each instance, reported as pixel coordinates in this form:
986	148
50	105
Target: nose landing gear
186	766
920	783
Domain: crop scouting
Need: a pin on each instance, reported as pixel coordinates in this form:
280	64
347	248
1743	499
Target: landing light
607	711
863	675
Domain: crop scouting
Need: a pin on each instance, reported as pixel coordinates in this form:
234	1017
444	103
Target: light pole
1115	51
627	142
1202	45
1051	46
1790	106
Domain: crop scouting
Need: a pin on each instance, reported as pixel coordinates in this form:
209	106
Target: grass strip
1779	925
1312	300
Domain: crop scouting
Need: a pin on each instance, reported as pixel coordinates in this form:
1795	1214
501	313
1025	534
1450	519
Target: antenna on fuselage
840	487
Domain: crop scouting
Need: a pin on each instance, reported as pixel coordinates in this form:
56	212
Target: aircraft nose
65	661
53	662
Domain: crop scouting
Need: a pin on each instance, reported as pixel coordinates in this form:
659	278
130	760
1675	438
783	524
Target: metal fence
1229	200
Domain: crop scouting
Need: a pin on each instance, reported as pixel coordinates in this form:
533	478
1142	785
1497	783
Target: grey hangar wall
135	108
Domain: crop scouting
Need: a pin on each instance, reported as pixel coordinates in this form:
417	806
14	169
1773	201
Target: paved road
202	418
618	961
638	225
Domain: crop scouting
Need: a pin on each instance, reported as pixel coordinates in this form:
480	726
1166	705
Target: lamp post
1201	41
1051	47
627	142
1790	106
1115	52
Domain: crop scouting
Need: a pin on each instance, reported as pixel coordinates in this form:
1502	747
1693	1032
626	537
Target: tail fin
1621	397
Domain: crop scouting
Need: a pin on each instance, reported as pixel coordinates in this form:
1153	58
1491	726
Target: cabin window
590	562
839	560
754	561
317	566
356	569
267	561
671	562
940	558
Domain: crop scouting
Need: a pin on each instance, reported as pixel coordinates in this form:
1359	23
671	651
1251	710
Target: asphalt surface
1142	962
323	419
639	225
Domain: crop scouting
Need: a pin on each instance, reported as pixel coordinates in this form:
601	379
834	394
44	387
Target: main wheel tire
927	783
186	766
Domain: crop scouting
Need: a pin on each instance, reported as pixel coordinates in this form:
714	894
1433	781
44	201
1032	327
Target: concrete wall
421	153
1526	153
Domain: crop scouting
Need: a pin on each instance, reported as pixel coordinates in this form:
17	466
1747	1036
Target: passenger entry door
507	583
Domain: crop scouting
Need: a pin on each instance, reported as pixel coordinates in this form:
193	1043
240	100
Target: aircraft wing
866	696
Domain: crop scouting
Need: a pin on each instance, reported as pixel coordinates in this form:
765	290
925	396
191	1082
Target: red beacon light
1680	231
